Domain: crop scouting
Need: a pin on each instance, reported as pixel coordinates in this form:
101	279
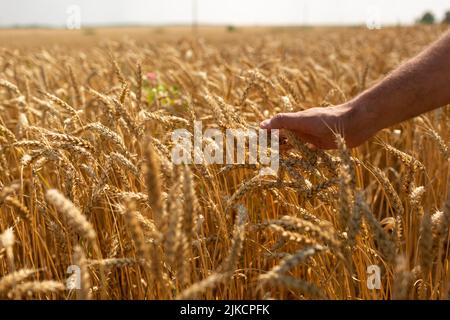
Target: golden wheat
87	178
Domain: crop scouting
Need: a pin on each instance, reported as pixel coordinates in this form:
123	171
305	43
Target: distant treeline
429	18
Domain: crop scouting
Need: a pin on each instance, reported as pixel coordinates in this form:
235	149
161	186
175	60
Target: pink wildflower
152	77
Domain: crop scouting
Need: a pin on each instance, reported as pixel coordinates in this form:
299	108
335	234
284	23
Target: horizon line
200	25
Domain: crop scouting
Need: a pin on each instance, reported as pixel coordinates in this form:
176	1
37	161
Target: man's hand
417	86
318	125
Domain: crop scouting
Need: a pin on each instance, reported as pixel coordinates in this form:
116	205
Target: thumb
282	121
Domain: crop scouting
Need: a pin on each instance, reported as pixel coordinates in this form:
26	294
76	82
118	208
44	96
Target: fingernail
264	124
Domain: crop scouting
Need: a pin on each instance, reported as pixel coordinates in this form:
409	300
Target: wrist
359	121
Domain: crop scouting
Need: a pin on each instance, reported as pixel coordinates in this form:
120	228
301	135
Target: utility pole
305	13
194	16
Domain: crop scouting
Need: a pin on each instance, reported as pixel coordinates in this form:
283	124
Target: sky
237	12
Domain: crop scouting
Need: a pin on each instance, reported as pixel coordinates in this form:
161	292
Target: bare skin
419	85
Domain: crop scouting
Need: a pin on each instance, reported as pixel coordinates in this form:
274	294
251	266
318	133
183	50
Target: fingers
282	121
301	126
311	141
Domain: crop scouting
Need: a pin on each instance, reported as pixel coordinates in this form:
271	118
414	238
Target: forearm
420	85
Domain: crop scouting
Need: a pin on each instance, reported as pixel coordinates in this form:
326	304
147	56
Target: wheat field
87	182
